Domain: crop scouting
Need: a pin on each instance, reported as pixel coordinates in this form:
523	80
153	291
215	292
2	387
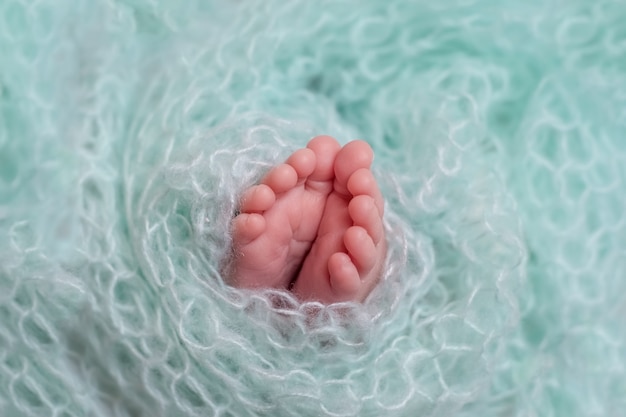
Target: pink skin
313	224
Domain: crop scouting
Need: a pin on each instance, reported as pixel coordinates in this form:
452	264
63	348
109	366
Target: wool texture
129	129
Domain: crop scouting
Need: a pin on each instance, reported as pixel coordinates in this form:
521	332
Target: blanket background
129	127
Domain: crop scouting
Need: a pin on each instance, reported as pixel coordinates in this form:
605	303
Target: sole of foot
279	218
348	254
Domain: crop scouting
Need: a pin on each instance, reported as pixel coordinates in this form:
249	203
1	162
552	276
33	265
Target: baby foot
347	257
280	217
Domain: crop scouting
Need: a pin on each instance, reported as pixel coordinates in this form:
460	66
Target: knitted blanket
129	128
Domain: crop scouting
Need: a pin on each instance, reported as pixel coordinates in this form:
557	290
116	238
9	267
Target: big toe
354	156
326	149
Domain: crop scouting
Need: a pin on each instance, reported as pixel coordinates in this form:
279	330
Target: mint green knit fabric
128	129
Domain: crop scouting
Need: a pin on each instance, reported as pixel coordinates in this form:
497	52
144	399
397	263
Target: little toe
362	182
257	199
303	162
281	178
344	277
352	157
246	227
326	149
364	213
361	248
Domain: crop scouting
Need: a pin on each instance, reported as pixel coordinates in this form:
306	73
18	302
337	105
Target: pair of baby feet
313	225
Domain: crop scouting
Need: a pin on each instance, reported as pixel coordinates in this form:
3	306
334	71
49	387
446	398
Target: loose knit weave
129	128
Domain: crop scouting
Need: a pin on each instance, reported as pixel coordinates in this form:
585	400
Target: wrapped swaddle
128	130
